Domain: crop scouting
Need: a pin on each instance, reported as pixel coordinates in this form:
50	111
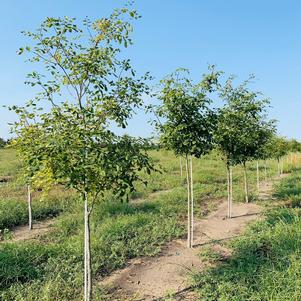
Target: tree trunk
29	199
192	203
265	172
88	270
281	166
278	163
229	214
188	206
257	173
231	191
246	183
181	168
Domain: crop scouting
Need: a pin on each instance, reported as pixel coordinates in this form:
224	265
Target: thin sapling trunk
265	172
278	164
257	176
229	214
188	206
246	182
231	191
87	252
181	168
29	199
192	203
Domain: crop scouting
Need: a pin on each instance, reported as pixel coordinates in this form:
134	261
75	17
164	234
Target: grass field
266	261
51	268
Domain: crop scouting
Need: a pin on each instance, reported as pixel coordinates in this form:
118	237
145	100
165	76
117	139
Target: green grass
290	189
8	162
51	268
120	232
14	212
266	261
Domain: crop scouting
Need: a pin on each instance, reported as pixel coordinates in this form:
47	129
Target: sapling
257	177
241	128
87	88
26	148
187	124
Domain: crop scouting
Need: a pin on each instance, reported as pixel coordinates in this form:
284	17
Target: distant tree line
293	145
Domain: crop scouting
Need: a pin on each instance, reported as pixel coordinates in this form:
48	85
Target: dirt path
22	233
266	187
153	278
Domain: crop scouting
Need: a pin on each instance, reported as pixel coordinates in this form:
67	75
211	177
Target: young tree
241	129
25	145
187	123
85	90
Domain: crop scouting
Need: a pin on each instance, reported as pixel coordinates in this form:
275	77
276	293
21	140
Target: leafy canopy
86	88
185	120
242	125
279	147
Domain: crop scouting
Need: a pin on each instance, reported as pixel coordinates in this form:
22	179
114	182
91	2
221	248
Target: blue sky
240	37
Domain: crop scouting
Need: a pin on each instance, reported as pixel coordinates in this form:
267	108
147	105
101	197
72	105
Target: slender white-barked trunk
190	202
87	253
278	165
257	177
188	205
229	190
246	182
265	172
29	200
181	168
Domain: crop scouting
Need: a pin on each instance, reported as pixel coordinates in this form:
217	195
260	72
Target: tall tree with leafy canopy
186	123
242	128
87	88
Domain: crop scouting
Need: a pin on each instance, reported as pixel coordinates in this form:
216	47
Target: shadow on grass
265	261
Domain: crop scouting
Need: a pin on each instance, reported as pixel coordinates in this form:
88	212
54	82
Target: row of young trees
189	126
64	134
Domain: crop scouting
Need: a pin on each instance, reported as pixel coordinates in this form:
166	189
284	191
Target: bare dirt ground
266	187
151	279
22	233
